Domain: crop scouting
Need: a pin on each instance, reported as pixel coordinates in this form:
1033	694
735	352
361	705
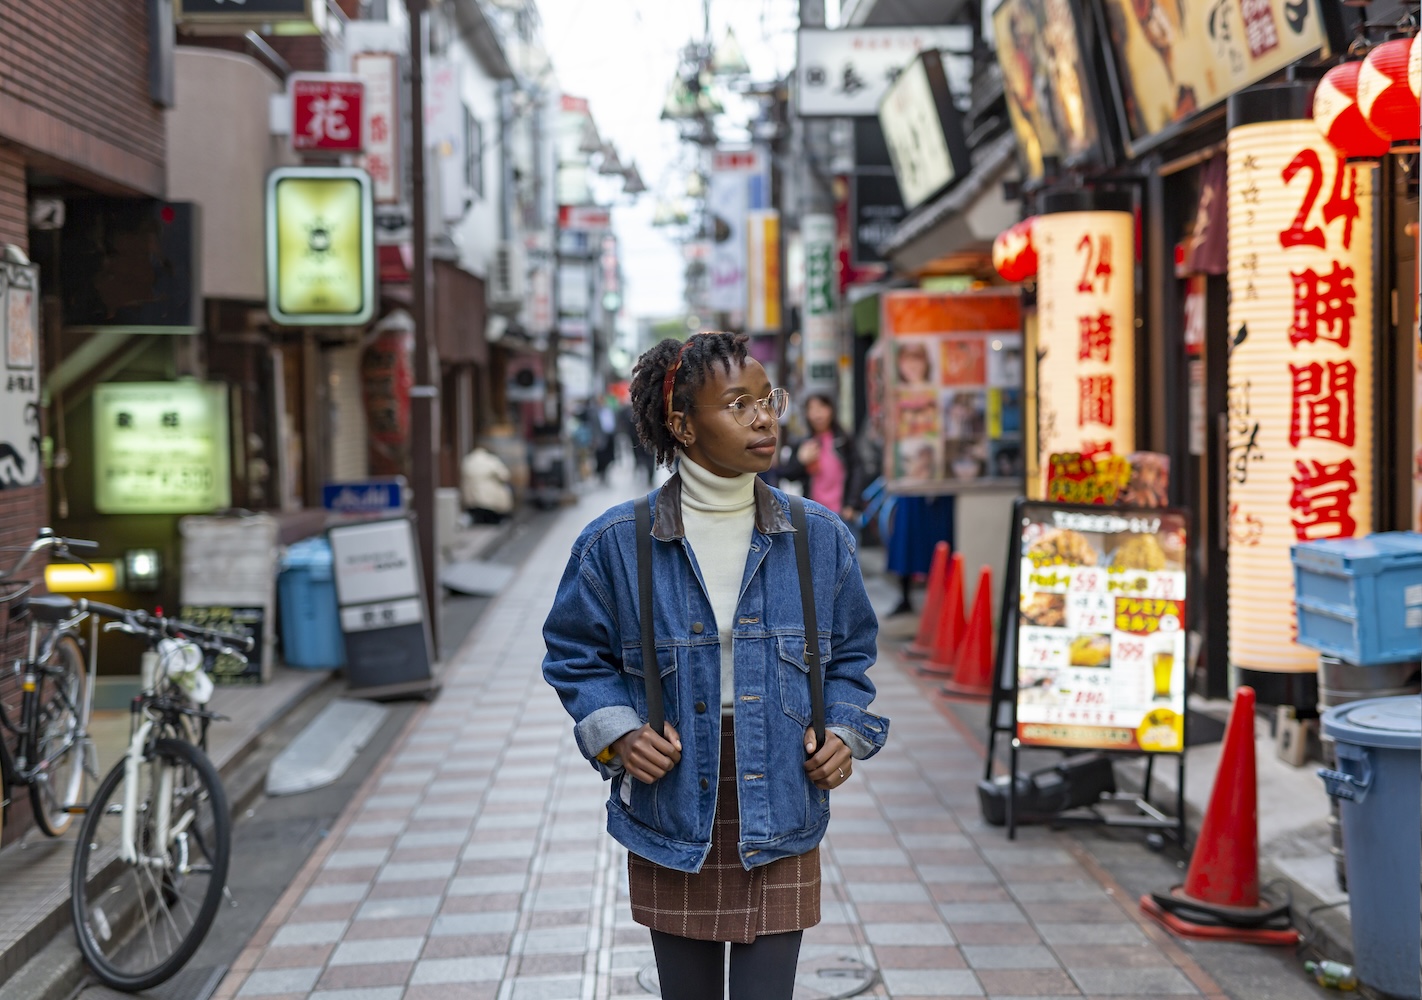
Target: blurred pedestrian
714	858
824	461
485	486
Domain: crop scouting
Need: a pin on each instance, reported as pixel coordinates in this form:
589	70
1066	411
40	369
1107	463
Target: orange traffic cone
1220	898
949	631
922	645
973	678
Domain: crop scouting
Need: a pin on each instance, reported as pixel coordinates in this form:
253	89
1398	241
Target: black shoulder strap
812	626
651	672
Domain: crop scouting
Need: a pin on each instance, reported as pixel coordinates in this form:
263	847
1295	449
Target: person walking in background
485	486
722	813
824	461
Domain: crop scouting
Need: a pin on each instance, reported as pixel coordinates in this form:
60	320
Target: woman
824	461
723	814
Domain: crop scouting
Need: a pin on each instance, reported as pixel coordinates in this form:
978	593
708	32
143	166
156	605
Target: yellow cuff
605	757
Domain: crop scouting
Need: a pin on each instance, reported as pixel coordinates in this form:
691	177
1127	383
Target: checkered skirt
723	901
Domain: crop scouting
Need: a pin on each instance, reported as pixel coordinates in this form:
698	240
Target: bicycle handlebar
139	622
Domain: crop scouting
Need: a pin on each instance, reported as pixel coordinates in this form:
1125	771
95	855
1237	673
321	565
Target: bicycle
53	752
150	868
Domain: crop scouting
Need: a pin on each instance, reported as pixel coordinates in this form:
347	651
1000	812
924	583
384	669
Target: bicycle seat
52	608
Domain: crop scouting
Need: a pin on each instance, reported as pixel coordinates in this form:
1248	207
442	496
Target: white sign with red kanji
1299	415
326	113
380	72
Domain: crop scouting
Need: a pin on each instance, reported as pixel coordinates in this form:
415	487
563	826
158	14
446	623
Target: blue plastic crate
1360	599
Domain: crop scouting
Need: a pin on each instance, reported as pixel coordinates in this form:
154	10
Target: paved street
473	863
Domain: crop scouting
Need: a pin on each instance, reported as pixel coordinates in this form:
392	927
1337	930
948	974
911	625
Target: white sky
620	55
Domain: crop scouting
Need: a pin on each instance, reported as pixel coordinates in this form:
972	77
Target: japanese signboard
820	338
380	72
292	15
1101	627
740	182
1175	59
876	209
327	112
1299	420
923	131
20	455
320	246
1048	100
161	448
846	72
763	271
953	389
1086	333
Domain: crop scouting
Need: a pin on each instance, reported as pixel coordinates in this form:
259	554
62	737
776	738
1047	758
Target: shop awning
955	233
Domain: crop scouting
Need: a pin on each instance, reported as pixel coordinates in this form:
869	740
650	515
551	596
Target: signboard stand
1052	678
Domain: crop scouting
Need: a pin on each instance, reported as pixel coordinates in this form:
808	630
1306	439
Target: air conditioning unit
508	283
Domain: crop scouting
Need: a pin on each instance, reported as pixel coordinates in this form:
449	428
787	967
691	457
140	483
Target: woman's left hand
828	766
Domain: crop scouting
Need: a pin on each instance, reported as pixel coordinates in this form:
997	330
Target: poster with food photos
1101	627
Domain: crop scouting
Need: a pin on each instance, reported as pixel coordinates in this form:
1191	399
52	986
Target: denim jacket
595	663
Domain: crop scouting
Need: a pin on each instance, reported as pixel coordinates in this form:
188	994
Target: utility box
1360	599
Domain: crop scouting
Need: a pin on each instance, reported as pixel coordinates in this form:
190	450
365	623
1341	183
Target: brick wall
74	90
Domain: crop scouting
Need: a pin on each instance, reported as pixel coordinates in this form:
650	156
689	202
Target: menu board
1101	627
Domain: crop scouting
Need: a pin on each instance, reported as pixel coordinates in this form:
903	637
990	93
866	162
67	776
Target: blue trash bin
1377	785
310	619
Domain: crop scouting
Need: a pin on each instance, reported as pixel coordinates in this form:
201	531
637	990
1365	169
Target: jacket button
700	707
705	784
697	627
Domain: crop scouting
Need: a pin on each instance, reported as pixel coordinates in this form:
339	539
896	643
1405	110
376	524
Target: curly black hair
649	413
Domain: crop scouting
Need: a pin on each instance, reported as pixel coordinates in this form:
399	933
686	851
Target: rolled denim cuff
859	747
863	732
599	729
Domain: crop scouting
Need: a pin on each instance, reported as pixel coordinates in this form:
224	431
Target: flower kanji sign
1300	403
326	113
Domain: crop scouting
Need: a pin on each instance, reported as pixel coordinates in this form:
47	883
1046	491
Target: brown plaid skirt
723	901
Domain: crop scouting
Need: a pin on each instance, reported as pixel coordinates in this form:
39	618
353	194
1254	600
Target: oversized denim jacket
595	663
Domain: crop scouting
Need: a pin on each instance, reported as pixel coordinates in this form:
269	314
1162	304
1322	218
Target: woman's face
819	414
709	432
913	364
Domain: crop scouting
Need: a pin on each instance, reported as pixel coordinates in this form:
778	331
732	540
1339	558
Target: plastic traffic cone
973	678
949	631
922	645
1220	898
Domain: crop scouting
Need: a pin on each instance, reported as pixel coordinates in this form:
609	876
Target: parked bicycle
53	753
150	868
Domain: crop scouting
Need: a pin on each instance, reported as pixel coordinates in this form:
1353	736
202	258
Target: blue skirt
919	523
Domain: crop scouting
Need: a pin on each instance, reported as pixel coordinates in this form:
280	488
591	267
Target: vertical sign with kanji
1086	333
1299	418
380	72
327	113
20	388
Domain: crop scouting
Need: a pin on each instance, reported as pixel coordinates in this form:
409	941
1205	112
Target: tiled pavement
474	865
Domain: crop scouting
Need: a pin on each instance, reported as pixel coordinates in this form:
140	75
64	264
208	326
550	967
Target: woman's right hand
646	754
809	453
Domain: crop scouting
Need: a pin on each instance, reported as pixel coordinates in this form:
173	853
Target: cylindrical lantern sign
1086	314
1300	403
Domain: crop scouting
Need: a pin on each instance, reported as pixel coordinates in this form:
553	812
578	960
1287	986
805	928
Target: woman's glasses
744	407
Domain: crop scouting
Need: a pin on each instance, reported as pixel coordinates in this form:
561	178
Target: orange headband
669	382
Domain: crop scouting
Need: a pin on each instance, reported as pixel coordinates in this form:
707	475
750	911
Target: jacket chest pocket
794	675
634	676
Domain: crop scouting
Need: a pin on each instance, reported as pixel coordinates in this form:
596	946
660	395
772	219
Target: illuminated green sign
161	448
320	246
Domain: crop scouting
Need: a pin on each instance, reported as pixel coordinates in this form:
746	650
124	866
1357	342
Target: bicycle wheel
139	922
59	783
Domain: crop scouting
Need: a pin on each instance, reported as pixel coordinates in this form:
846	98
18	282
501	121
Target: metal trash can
310	619
1377	744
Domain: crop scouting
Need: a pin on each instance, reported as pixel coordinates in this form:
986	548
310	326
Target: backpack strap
651	673
812	628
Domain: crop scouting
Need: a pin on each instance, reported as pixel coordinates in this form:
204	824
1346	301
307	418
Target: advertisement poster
1101	628
1040	55
953	390
161	448
1174	59
320	246
20	390
740	182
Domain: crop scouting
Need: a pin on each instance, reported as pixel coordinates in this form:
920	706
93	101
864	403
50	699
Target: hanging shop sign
740	182
763	271
952	390
923	131
1173	60
1299	422
161	448
327	113
1101	627
1049	96
281	17
875	210
320	246
845	72
380	73
819	337
1086	332
20	455
584	217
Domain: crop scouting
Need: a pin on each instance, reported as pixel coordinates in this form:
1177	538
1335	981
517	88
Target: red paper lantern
1385	98
1336	113
1414	67
1014	254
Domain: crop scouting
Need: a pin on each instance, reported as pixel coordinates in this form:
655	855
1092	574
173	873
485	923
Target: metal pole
424	395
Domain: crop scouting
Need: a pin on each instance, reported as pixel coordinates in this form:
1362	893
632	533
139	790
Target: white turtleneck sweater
719	516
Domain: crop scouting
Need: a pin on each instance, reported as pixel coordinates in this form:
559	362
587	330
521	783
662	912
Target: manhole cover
818	977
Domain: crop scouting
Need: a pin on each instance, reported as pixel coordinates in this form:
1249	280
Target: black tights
694	970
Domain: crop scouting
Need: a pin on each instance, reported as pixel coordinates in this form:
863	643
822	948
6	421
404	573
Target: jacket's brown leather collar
770	517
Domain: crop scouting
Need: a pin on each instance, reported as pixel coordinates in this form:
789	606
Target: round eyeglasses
744	407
